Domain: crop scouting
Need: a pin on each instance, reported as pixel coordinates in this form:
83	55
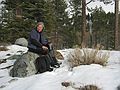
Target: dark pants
38	51
42	64
49	55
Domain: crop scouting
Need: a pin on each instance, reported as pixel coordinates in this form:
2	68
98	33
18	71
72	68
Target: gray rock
21	42
24	65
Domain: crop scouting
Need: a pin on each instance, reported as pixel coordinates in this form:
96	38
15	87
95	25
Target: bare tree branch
89	2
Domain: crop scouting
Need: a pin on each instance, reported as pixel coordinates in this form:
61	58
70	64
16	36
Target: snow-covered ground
106	78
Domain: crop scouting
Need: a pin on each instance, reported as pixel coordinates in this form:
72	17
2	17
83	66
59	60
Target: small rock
21	42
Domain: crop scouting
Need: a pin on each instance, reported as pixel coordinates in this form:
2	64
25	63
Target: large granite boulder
24	65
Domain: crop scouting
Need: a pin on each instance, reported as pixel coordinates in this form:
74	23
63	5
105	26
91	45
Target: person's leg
54	62
40	65
48	64
37	51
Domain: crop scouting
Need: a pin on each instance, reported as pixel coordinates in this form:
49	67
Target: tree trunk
18	12
116	23
84	39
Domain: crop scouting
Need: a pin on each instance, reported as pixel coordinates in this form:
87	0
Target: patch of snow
105	77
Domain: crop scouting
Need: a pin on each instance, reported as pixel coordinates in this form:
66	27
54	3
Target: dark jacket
36	39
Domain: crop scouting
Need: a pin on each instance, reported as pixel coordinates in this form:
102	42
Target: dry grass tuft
87	57
3	48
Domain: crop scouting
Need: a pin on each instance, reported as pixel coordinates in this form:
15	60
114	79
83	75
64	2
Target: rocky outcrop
24	65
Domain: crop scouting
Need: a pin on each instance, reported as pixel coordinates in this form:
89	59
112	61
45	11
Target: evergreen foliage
63	27
103	28
22	15
76	21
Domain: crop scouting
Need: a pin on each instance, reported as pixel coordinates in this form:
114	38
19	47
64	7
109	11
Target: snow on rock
13	50
8	63
17	50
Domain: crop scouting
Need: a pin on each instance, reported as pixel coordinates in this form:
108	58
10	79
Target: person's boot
56	65
50	69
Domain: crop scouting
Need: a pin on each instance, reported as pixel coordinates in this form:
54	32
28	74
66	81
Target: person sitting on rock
37	43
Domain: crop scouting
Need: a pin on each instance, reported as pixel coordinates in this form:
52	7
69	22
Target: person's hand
44	48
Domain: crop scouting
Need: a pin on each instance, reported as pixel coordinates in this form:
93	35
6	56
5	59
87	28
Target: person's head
40	26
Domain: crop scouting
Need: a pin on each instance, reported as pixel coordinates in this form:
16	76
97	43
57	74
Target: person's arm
36	43
33	39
